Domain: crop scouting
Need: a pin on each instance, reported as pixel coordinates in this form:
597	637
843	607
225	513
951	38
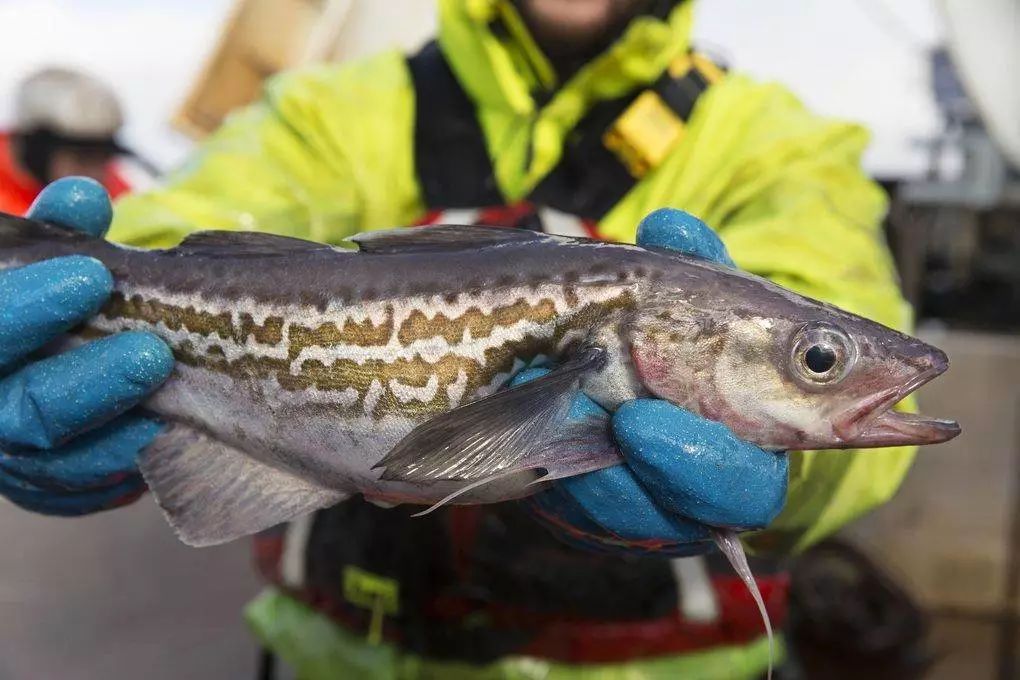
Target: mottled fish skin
321	361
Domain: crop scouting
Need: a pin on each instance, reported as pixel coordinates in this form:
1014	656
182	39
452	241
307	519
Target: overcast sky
858	59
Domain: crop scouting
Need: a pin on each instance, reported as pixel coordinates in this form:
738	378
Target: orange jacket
18	189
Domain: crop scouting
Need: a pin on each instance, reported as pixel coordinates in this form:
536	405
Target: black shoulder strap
620	140
450	156
605	155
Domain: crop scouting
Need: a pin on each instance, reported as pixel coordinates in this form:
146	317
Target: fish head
784	371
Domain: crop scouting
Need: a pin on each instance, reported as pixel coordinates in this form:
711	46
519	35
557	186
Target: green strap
318	649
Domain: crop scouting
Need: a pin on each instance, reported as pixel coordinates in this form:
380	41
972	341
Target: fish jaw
873	423
893	428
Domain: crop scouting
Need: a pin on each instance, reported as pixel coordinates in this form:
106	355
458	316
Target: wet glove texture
68	436
683	473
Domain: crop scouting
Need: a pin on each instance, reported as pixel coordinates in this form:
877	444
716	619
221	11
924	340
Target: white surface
986	46
862	60
857	59
148	51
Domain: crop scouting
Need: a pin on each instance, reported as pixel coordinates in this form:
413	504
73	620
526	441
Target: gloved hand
68	441
682	473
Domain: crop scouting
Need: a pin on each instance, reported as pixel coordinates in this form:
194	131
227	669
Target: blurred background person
65	123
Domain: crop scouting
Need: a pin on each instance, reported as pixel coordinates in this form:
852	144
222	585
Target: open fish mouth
893	428
875	424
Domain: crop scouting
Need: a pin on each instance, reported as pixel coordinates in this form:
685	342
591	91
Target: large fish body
306	373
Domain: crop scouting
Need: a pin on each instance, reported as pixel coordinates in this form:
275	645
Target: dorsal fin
245	244
442	237
16	230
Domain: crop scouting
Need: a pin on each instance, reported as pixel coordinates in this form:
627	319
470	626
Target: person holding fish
635	402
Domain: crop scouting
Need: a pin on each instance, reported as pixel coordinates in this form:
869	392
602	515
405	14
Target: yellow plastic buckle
708	69
644	134
376	593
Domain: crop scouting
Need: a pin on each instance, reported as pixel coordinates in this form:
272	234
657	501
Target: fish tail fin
212	493
729	544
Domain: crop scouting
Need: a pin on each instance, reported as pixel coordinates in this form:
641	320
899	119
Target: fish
307	373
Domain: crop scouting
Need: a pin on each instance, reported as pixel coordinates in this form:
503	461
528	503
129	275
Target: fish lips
873	423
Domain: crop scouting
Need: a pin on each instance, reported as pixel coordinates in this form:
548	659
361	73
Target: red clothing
18	189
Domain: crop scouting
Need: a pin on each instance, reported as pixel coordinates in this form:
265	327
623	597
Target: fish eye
822	353
820	358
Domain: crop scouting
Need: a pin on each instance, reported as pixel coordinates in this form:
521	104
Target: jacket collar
499	64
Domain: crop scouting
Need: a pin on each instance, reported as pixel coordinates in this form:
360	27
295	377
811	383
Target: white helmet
67	103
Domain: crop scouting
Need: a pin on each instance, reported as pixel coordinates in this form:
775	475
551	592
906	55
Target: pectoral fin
494	435
578	447
212	493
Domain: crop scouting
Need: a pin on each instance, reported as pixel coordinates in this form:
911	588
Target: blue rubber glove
68	440
682	473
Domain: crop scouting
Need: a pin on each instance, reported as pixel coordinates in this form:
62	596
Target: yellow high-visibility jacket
328	152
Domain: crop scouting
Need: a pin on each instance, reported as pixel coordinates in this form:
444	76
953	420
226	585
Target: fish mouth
874	424
893	428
